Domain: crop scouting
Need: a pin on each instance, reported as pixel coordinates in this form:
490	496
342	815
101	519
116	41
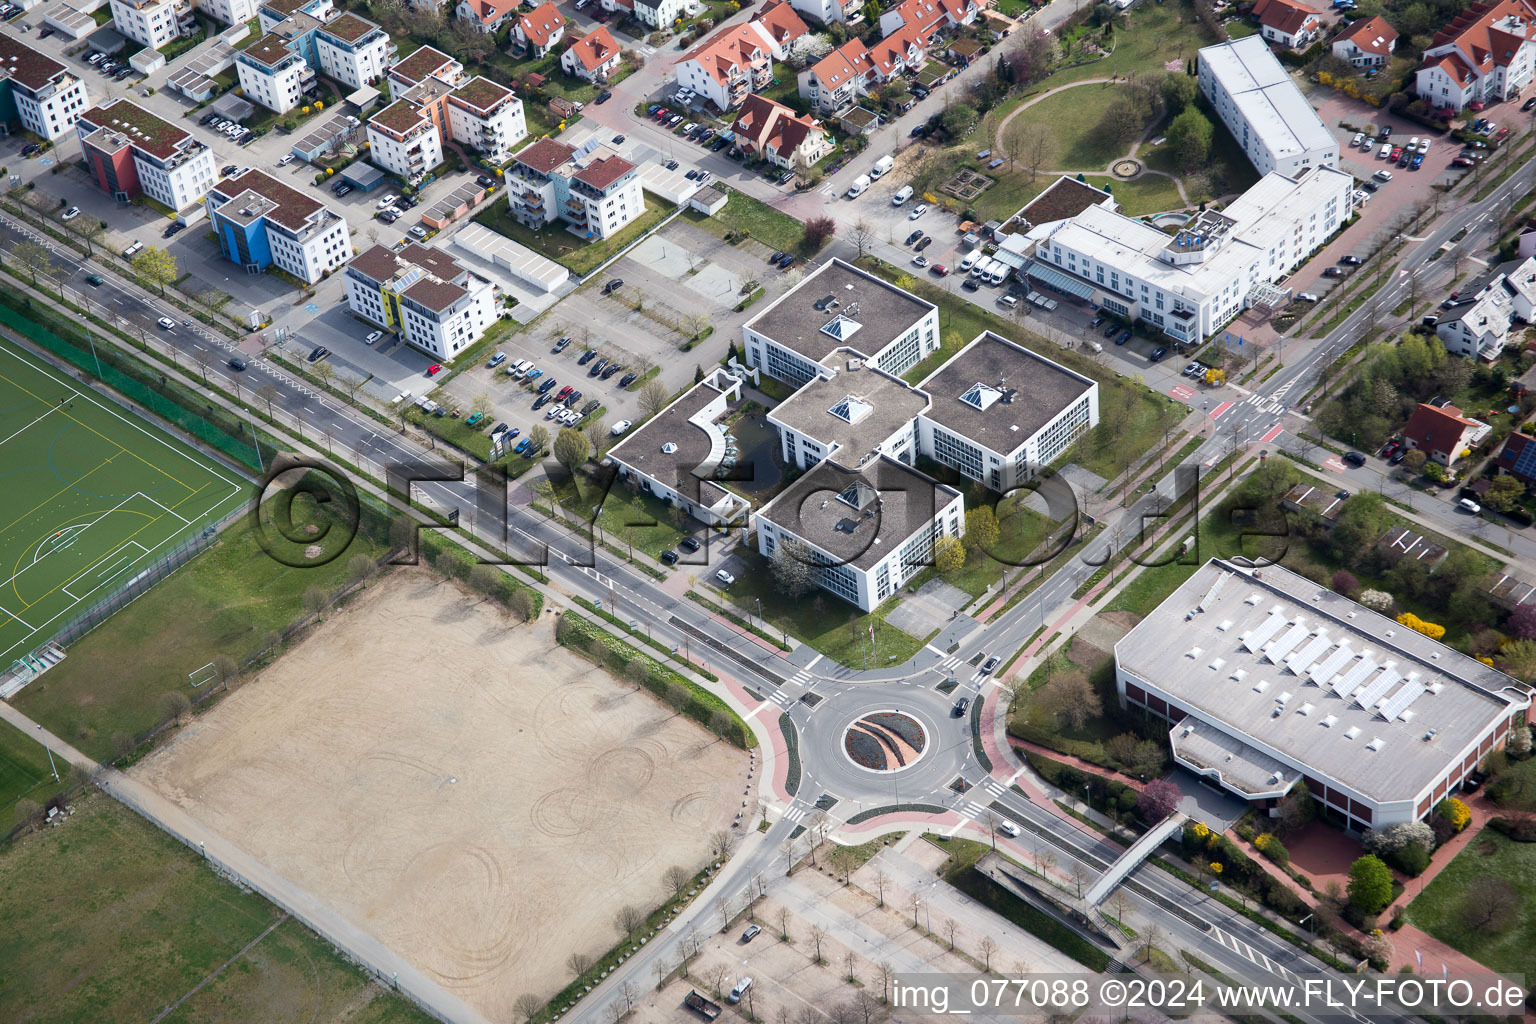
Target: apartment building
1263	109
593	189
154	23
46	96
276	70
1267	679
128	150
738	60
658	14
825	12
261	222
1485	54
486	117
1191	283
928	17
404	141
838	79
434	304
593	57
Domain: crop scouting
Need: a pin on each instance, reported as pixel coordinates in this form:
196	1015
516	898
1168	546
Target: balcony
307	75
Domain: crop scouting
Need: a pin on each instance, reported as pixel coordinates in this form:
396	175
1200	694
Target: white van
882	165
739	991
858	186
902	196
997	271
517	369
968	261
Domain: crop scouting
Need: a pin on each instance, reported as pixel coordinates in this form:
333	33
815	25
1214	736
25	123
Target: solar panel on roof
1398	703
1304	658
1377	688
1287	642
1324	670
1355	676
1525	464
1259	635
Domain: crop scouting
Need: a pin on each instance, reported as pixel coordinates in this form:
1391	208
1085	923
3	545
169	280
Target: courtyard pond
757	471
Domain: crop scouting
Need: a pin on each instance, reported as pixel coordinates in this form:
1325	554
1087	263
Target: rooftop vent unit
1430	735
1216	664
1226	624
1329	720
1261	686
1375	744
1193	652
1352	732
668	448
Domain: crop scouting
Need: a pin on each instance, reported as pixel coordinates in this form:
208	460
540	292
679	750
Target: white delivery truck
859	185
902	196
882	165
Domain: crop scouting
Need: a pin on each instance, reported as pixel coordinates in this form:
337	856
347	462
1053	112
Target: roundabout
892	742
885	741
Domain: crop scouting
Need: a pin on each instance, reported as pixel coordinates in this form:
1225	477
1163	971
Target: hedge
582	634
981	754
792	750
454	561
987	892
875	812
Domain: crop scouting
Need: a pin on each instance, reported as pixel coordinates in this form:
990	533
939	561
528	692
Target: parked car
587	356
689	544
619	427
548	385
926	241
373	336
1351	261
565	339
71	213
914	236
1335	272
725	577
919	261
598	367
939	270
1354	459
613	286
918	211
1469	506
628	379
612	369
669	557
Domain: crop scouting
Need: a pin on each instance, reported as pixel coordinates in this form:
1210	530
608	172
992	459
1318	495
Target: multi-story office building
1268	679
44	95
1192	282
1263	109
999	413
840	306
593	189
261	222
403	141
430	300
128	150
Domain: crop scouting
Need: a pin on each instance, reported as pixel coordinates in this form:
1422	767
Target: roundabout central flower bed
885	741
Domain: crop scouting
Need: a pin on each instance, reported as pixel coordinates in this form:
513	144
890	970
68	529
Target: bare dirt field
469	792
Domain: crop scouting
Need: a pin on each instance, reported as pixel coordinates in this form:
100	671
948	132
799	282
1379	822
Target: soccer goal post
207	674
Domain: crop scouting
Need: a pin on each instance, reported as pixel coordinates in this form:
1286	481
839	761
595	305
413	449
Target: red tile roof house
1518	458
738	60
486	15
1443	433
1484	55
1291	24
779	135
541	29
592	57
1367	44
928	16
839	78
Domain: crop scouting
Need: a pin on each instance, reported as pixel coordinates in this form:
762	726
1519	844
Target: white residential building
128	150
432	302
487	16
1267	679
1190	284
1367	44
738	60
404	141
1485	54
541	29
928	16
1263	109
230	12
261	222
1479	329
840	306
1290	24
486	117
48	96
594	190
825	12
272	74
153	23
658	14
353	50
838	79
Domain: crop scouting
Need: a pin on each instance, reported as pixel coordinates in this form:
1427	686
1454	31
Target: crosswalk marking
795	813
781	698
950	663
994	787
972	809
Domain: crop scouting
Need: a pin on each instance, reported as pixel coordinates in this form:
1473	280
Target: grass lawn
644	516
1074	116
1239	29
1437	910
558	244
1148	194
109	919
827	623
758	219
225	601
1154	34
24	772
